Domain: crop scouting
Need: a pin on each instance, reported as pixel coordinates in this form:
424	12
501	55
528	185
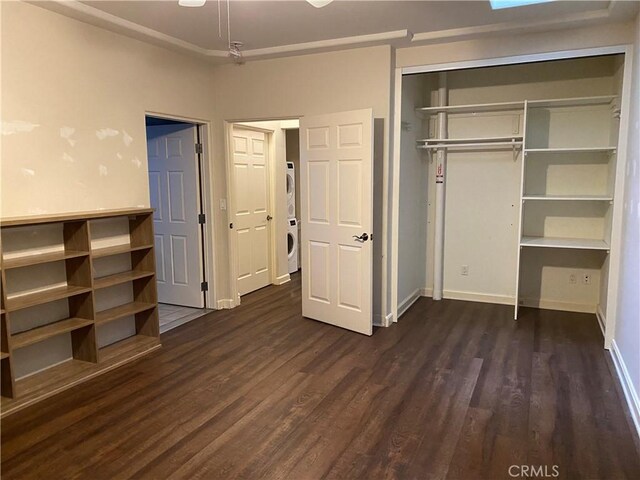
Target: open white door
336	196
174	191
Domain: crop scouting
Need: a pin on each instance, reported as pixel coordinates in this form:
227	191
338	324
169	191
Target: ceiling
285	27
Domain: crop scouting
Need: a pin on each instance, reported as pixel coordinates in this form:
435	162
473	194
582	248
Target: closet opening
508	181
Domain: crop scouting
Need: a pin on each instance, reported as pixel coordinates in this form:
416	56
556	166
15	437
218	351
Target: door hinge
202	218
198	148
204	287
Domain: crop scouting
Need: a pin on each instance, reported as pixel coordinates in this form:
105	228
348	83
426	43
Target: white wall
414	186
627	327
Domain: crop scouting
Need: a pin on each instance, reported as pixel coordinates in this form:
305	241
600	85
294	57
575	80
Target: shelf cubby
70	253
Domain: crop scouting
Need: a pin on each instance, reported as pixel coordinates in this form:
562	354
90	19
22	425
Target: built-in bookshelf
50	286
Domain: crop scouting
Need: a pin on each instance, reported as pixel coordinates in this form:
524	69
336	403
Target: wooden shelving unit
76	254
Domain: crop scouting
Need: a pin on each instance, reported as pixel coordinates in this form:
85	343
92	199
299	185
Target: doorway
176	186
263	231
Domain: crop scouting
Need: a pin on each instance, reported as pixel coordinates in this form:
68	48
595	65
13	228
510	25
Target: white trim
516	59
630	394
465	33
395	193
382	321
282	279
617	215
602	319
558	305
233	253
427	292
478	297
332	43
409	301
226	303
114	23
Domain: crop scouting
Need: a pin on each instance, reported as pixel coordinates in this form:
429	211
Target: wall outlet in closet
586	278
464	270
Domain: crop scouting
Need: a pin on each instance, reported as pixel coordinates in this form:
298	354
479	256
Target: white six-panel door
337	206
251	209
174	191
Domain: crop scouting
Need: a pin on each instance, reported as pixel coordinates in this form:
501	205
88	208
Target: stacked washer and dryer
292	233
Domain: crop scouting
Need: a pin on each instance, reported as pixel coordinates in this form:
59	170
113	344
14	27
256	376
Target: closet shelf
570	243
486	142
477	108
588	198
118	278
131	347
571	150
117	250
39	258
573	102
46	296
121	311
39	334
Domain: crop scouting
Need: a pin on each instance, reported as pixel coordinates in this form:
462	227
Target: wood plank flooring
454	390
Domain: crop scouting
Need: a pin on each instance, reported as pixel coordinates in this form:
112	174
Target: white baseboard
381	321
225	303
630	393
557	305
282	279
426	292
405	304
602	320
478	297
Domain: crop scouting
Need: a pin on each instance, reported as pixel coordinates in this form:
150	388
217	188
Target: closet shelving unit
568	164
567	173
71	252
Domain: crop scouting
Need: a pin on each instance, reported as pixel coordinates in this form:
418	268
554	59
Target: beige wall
305	85
74	99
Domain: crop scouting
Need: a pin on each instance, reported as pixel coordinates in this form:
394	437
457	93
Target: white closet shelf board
477	108
590	198
462	141
571	150
569	243
572	102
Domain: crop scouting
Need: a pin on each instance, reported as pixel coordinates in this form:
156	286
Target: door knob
269	218
362	238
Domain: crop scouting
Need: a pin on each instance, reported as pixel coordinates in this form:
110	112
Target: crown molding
466	33
398	38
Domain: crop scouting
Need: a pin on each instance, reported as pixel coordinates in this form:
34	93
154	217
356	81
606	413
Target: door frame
616	228
206	234
271	202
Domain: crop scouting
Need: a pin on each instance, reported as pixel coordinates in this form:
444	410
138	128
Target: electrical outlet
586	279
223	204
573	279
464	270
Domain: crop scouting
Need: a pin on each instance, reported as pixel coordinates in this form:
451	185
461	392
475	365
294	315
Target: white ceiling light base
319	3
191	3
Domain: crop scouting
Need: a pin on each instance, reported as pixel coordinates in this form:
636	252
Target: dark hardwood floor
454	390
